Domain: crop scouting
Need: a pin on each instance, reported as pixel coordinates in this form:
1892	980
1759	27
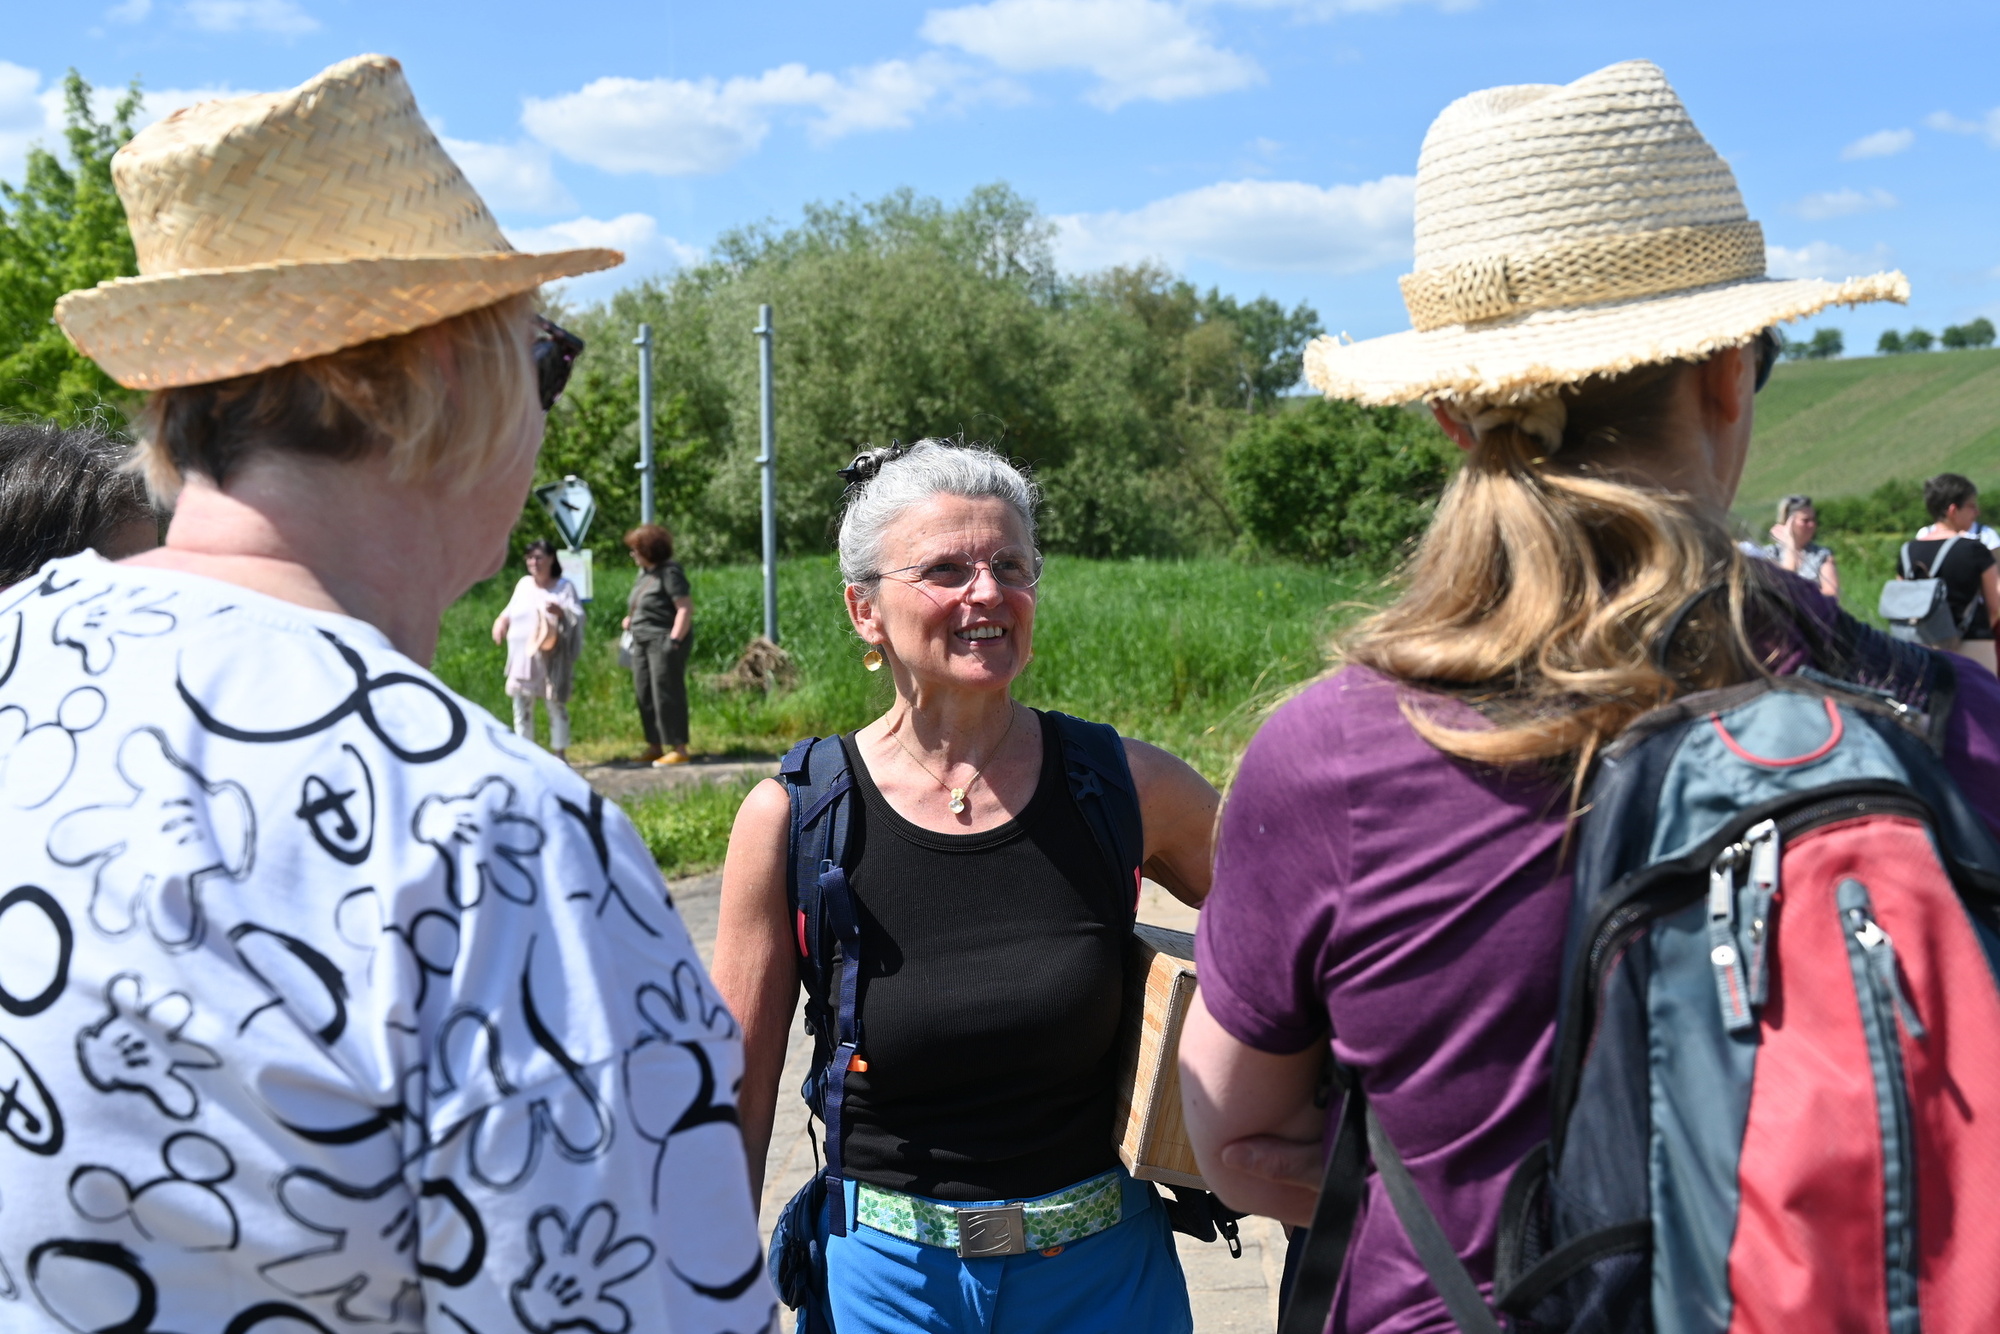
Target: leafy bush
1893	507
1336	482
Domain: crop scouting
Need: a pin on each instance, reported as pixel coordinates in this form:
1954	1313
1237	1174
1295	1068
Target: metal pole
768	460
644	342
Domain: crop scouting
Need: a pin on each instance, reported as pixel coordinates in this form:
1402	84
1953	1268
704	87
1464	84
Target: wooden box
1151	1134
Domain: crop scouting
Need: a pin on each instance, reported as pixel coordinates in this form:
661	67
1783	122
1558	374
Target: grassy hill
1841	428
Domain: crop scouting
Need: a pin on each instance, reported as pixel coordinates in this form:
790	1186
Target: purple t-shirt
1413	905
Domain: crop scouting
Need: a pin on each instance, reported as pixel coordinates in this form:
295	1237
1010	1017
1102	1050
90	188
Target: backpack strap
821	784
1100	781
1325	1250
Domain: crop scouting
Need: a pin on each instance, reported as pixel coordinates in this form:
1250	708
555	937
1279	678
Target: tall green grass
1185	654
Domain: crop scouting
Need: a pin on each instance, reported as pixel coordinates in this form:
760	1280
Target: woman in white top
324	1003
1792	546
542	628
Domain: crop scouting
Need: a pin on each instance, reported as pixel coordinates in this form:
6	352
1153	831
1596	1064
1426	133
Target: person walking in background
990	958
329	1006
660	617
1792	546
542	628
1950	550
1394	869
65	491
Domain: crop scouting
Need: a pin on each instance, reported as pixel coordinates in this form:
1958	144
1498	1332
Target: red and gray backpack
1776	1099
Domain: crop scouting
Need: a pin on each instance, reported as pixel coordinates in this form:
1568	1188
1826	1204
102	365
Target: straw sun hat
284	226
1566	232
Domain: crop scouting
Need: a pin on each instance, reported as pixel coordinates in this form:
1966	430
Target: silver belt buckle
986	1233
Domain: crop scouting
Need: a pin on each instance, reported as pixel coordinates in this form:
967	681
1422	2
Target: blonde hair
1564	600
444	396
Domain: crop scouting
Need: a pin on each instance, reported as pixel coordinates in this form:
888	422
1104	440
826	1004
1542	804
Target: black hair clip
869	462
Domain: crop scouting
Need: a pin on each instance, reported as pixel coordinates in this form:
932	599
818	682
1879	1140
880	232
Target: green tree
905	317
1826	344
1979	333
1330	481
61	229
1889	343
1918	340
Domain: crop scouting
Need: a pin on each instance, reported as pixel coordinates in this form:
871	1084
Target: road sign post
768	461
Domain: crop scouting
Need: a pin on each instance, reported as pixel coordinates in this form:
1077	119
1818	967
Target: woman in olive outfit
660	616
993	939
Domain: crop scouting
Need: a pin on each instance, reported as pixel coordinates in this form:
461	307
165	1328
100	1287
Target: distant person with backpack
1586	717
956	883
1950	550
1792	546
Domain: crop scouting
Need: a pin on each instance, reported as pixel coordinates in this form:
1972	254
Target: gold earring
872	660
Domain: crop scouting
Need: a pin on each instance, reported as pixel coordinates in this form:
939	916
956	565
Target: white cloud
696	127
1267	225
1988	125
510	176
1327	9
30	114
1842	203
130	11
282	18
1882	143
1822	259
1138	49
647	250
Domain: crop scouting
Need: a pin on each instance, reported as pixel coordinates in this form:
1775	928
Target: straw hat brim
1518	356
200	325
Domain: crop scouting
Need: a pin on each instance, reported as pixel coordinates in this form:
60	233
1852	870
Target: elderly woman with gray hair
967	1053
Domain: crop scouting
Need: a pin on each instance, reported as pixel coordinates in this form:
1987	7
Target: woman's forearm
683	619
1252	1119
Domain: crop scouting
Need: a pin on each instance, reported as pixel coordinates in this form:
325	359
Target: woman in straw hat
329	1003
1591	317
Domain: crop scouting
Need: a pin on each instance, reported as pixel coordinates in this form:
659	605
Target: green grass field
1185	654
1843	427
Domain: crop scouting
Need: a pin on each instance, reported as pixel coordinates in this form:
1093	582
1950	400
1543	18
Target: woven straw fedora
284	226
1571	231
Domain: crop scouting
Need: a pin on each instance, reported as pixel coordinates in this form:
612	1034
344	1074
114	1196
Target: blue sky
1264	146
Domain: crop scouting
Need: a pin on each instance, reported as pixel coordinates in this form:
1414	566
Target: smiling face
1804	524
974	637
541	567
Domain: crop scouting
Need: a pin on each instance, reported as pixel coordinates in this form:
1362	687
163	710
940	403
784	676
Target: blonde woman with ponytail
1592	323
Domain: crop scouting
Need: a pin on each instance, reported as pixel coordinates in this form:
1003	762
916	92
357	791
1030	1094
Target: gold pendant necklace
957	803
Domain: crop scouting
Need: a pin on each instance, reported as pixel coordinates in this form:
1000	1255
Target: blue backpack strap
1100	781
821	784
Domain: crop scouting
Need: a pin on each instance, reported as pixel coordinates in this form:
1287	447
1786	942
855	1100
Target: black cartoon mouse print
338	808
94	625
137	1047
572	1269
184	1208
483	841
36	759
154	851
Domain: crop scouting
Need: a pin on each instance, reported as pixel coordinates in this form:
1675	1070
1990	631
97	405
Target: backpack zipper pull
1732	990
1858	912
1763	840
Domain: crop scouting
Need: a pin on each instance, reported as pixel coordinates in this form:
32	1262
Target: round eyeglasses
1011	567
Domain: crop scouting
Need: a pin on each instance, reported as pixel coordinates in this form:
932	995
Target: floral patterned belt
981	1231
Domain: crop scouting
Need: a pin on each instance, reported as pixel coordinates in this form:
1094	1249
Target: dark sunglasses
1769	348
556	352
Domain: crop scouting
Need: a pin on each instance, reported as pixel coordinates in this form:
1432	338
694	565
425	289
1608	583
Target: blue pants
1125	1278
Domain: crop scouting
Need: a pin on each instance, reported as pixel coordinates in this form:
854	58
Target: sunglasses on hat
556	351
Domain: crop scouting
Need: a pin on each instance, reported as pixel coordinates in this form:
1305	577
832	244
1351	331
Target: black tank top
993	980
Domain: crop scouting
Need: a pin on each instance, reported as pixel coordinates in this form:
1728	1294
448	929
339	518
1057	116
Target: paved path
1230	1296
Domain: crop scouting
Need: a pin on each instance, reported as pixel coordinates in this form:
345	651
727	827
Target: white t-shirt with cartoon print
326	1004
